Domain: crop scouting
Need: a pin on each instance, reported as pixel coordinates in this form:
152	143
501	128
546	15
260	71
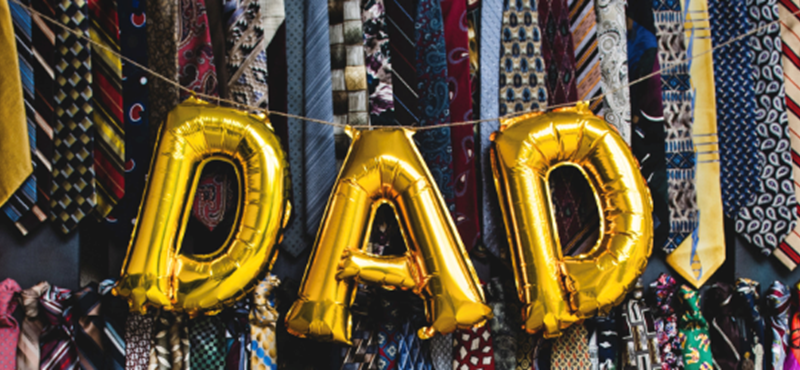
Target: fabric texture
138	341
377	60
612	46
164	35
693	332
9	327
777	302
583	26
571	350
473	349
263	321
665	300
401	16
246	52
348	71
557	52
57	340
28	351
522	68
197	70
206	343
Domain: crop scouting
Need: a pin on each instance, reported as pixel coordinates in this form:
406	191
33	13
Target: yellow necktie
15	150
698	257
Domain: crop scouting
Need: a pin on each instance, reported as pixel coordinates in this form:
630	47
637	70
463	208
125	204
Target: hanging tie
138	341
727	339
557	52
639	342
778	312
363	353
388	334
607	341
28	351
9	327
473	349
612	31
247	53
793	354
263	321
236	319
502	325
666	321
378	63
170	343
207	345
522	68
197	69
348	73
411	355
571	350
693	332
583	26
400	21
100	316
748	292
57	341
163	37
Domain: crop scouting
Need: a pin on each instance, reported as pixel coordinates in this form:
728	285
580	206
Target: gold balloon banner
557	290
383	166
155	274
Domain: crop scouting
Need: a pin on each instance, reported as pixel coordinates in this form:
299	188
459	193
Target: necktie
778	312
319	152
57	341
163	38
247	54
677	106
502	325
9	328
170	343
528	347
693	332
522	68
607	341
638	336
410	353
206	343
236	320
793	351
770	216
400	21
583	26
138	337
591	335
197	70
727	343
611	30
100	315
263	318
557	51
388	336
788	252
666	321
73	193
474	349
378	63
698	257
735	105
348	72
748	292
462	137
491	19
363	354
28	348
571	350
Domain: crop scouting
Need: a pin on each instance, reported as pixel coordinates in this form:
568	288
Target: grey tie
491	21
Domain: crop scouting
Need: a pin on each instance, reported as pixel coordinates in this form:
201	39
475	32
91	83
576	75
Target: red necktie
58	337
473	349
9	328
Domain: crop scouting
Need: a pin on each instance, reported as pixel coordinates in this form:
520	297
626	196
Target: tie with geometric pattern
522	68
612	31
557	51
160	358
583	26
28	351
138	341
571	350
348	73
638	336
207	343
9	327
236	319
263	319
73	194
378	63
474	349
247	53
778	311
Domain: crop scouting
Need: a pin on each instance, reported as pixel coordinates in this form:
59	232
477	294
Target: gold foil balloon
383	166
557	290
195	133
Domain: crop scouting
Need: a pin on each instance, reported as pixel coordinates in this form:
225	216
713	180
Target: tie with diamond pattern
473	349
583	26
522	68
207	343
612	31
73	193
557	51
698	257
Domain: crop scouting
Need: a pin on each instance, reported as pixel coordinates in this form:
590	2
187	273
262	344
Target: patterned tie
73	193
97	335
462	137
522	68
9	327
247	54
138	341
528	351
442	349
778	312
571	350
400	21
612	30
638	336
664	291
348	72
503	327
793	354
677	106
473	349
583	26
557	51
388	335
207	344
748	292
693	332
163	38
58	336
411	355
788	251
378	63
263	318
28	352
319	147
607	341
727	342
698	257
197	70
109	149
735	91
160	358
236	319
363	354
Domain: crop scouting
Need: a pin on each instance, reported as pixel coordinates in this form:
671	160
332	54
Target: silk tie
571	350
263	320
109	153
793	354
57	341
693	332
557	51
363	353
522	68
727	339
197	70
677	104
401	16
73	194
411	355
348	72
638	336
503	327
163	37
388	336
491	19
474	349
97	335
528	350
138	340
612	31
698	257
160	358
607	341
319	153
28	352
583	25
778	313
247	54
462	137
9	327
207	346
378	63
748	292
735	105
236	320
664	291
788	252
442	349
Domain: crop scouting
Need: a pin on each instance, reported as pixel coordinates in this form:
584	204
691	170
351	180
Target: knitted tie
28	352
664	291
557	51
263	318
748	292
197	70
583	26
639	342
727	342
793	354
9	328
522	68
57	341
378	63
611	30
247	54
571	350
138	337
693	332
207	345
778	312
473	349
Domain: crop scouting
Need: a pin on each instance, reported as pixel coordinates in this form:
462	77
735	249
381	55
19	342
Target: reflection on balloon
383	166
155	274
556	290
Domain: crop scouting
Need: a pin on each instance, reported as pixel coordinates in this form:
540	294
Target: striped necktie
58	336
612	31
236	319
698	257
73	194
100	316
9	327
138	341
583	25
400	21
557	51
28	351
778	312
788	252
693	332
109	154
378	63
247	53
114	314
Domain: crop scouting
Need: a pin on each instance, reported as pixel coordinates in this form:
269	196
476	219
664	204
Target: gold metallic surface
556	290
155	274
383	166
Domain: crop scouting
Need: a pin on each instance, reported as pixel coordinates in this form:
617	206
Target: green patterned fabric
693	332
207	338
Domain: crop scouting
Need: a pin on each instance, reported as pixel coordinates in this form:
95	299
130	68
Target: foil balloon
556	290
155	273
383	166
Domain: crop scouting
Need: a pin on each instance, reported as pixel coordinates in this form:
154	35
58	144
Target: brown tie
28	346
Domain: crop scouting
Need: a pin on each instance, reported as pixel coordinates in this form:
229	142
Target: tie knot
778	298
30	298
54	302
264	312
8	289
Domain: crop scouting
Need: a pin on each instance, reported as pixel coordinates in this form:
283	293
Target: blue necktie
735	94
491	21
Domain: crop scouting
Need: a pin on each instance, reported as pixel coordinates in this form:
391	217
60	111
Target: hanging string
251	108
